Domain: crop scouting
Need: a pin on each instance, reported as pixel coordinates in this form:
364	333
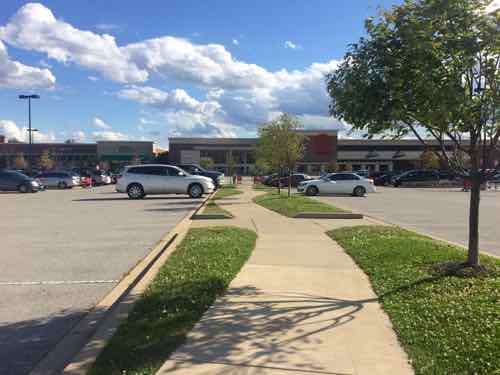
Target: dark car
194	169
15	181
385	179
297	178
417	177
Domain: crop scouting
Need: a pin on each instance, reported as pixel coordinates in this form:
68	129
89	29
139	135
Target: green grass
225	192
290	207
263	187
187	284
211	208
448	322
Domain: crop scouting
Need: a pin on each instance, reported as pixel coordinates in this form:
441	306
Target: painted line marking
56	282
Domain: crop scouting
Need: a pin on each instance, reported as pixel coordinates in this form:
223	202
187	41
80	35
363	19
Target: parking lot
442	213
61	252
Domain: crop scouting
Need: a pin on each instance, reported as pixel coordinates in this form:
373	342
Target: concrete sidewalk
300	305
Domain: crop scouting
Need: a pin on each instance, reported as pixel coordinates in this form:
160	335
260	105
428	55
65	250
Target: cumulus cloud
236	42
14	74
79	136
11	130
108	135
101	124
291	45
34	27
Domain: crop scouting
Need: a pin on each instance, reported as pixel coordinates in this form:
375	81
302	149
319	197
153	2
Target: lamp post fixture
30	130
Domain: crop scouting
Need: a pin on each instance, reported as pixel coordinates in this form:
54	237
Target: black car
417	177
385	179
297	178
15	181
217	177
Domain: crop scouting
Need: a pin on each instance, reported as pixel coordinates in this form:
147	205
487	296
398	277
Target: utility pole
30	130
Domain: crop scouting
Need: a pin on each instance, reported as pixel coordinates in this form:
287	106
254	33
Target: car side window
174	171
349	177
334	177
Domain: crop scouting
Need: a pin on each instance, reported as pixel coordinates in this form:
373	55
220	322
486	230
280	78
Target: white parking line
58	282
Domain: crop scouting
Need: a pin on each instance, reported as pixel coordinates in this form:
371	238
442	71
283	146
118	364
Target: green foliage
46	161
226	192
426	64
187	284
291	206
429	160
280	144
447	321
207	163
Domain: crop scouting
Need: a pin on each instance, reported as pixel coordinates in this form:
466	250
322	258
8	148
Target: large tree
281	145
429	68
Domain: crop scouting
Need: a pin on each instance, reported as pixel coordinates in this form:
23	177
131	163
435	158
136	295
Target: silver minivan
61	180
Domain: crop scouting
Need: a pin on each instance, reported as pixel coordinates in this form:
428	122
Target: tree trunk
475	194
279	181
289	182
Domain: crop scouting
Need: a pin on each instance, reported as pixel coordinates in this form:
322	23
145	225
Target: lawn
447	321
291	206
198	271
226	191
211	208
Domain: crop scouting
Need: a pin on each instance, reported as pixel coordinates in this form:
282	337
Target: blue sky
170	68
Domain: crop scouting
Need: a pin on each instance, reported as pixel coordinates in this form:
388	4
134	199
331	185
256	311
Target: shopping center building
323	151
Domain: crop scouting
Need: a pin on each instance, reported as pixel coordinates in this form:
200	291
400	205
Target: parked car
385	178
15	181
61	180
296	178
338	183
416	177
99	177
139	180
194	169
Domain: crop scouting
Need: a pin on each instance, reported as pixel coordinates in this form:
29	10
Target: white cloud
11	130
109	136
101	124
14	74
107	26
79	136
93	78
236	42
34	27
291	45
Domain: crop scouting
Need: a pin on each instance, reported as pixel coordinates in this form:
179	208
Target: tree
333	166
429	68
46	161
230	162
207	163
429	160
281	145
20	162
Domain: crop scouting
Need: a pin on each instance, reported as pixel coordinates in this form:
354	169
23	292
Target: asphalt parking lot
61	253
442	213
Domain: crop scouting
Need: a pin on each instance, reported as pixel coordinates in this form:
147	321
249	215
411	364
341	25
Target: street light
30	131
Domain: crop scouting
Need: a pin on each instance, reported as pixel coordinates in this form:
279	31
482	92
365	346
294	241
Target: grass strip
211	208
263	187
199	270
291	206
447	319
226	192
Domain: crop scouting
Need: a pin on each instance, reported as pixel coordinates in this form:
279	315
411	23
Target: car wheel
195	191
359	191
62	185
135	191
24	188
312	190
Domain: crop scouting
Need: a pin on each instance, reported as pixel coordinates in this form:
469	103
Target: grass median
212	208
446	317
199	270
226	191
291	206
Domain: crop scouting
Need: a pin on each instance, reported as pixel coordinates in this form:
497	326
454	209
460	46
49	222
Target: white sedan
338	183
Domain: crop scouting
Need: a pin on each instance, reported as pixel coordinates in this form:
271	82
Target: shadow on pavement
128	199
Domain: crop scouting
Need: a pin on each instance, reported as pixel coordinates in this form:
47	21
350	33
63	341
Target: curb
75	353
329	215
209	217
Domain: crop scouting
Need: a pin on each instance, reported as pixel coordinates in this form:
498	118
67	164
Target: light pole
29	97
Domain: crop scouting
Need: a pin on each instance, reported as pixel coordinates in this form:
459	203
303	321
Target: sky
150	70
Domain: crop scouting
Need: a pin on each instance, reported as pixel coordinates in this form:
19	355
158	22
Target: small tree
230	162
333	166
428	68
20	162
429	160
46	161
281	145
207	163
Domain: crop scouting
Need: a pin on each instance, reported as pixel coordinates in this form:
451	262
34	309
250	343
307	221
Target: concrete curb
83	343
210	217
328	215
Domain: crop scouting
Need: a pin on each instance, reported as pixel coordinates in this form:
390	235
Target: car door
7	181
329	184
349	182
177	180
